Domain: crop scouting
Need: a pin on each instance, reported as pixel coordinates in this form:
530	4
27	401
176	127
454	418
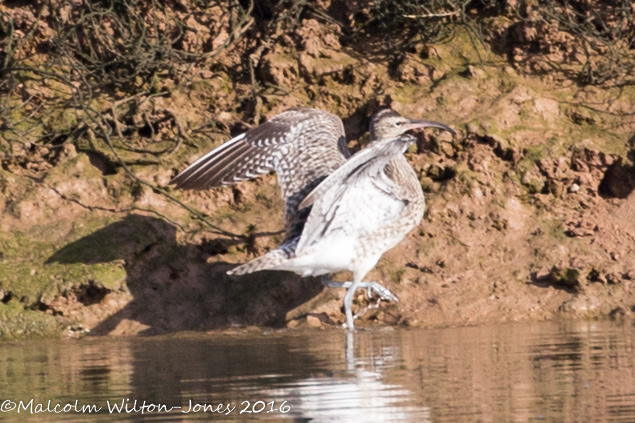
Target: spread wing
300	145
357	197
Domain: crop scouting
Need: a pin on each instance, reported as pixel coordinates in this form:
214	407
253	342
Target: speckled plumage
341	213
301	145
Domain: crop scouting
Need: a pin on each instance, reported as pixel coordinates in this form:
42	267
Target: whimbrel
342	212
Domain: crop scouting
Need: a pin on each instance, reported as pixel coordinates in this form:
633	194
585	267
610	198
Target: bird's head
387	123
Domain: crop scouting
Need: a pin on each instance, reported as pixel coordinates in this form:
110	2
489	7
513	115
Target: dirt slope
530	210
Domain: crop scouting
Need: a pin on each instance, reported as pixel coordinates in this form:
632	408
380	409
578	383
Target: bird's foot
372	287
383	292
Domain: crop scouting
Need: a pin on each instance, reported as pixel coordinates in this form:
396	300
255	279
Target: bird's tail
269	260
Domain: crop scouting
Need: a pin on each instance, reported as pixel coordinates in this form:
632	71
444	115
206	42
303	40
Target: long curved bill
416	124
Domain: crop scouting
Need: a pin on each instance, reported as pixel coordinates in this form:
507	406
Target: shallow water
567	372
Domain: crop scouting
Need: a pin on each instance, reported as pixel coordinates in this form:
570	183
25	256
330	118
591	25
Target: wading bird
342	212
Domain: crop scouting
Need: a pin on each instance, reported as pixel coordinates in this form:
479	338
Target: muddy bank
529	210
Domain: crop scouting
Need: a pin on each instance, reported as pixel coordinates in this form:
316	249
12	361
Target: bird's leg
352	286
383	292
348	305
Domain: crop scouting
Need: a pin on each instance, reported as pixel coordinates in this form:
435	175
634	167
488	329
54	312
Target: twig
432	15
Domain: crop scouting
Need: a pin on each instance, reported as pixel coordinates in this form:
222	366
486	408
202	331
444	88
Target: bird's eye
398	123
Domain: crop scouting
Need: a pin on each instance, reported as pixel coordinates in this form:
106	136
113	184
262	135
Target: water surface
529	372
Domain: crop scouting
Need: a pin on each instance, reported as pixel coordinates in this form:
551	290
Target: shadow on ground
619	179
175	288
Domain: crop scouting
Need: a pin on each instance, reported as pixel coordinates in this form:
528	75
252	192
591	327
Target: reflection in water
357	392
574	372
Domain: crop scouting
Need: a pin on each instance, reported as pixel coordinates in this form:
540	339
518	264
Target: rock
473	128
543	274
583	305
475	73
436	74
565	276
412	71
613	278
313	321
306	66
582	116
533	180
206	74
519	95
547	108
69	151
293	323
585	179
279	69
446	148
597	276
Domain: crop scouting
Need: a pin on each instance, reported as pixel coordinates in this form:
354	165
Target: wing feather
300	145
357	188
216	175
187	178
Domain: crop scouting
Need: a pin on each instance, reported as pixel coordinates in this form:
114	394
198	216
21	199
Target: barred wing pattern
301	145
